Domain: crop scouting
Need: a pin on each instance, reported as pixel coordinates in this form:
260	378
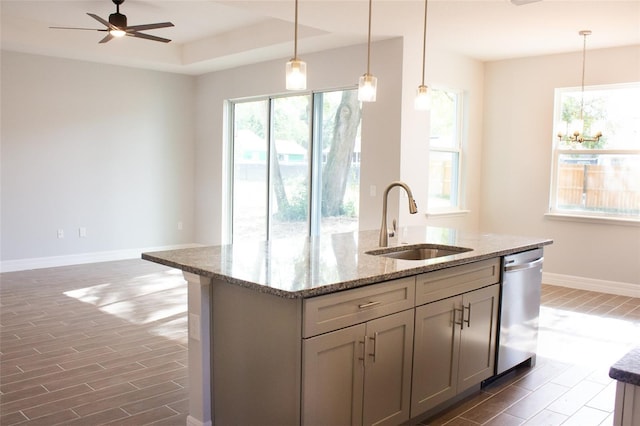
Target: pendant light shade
296	74
368	84
423	101
296	70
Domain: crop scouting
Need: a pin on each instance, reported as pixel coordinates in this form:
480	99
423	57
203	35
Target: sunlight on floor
159	299
583	339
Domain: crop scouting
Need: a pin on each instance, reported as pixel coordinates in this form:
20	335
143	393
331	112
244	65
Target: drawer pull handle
369	304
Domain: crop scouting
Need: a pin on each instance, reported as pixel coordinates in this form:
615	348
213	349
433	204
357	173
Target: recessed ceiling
213	35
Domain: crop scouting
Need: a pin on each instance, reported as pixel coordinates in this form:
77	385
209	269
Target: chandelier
578	125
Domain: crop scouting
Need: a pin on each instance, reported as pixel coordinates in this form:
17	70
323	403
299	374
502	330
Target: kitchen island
271	324
627	373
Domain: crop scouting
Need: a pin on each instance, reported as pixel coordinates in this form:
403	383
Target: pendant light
578	125
296	70
422	101
368	83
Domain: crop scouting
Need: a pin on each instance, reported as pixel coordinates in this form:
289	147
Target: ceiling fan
117	26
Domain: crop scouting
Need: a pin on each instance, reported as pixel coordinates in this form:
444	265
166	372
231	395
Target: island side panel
257	356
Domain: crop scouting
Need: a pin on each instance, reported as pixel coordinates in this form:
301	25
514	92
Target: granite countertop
305	267
627	369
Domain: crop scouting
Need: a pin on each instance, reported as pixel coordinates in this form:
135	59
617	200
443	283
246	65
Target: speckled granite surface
306	267
627	369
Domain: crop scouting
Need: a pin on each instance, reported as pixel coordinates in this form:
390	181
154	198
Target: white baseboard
590	284
81	258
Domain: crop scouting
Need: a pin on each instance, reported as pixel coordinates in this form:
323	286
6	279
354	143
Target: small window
598	176
445	150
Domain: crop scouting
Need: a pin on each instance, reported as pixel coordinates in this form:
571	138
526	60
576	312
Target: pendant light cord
369	40
424	40
295	33
584	62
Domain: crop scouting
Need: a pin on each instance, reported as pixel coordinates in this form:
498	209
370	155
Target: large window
445	150
597	177
295	163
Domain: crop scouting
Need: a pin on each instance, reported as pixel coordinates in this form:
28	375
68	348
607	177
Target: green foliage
298	207
251	116
594	110
291	119
443	114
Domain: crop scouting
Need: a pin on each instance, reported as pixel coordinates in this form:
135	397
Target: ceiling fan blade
106	38
150	26
102	21
148	37
74	28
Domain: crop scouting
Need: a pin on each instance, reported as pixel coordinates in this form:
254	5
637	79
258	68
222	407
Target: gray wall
107	148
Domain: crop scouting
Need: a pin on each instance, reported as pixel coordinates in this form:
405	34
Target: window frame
458	207
314	161
557	151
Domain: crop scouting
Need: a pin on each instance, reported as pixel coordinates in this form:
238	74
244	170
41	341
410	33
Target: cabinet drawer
449	282
333	311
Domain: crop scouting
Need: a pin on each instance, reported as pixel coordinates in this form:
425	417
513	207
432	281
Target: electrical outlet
82	232
180	226
60	233
372	190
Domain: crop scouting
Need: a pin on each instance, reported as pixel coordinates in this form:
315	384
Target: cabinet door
435	359
387	380
478	336
333	374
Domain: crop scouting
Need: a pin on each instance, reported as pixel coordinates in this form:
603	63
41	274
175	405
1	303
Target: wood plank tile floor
105	343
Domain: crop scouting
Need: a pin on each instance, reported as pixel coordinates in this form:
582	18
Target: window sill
593	219
446	213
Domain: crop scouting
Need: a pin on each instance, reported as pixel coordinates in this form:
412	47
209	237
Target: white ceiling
212	35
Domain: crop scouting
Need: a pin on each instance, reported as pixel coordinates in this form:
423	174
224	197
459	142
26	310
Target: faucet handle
394	227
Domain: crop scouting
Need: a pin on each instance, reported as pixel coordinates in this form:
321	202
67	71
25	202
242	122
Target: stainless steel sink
418	251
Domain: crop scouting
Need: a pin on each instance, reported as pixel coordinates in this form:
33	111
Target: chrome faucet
413	209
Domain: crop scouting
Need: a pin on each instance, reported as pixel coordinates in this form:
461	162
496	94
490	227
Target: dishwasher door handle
520	267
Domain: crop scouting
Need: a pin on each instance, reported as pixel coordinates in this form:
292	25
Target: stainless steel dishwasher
520	309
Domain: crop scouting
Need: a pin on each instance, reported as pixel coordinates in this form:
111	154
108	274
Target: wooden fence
597	187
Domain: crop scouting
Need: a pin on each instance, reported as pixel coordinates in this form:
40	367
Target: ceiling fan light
117	33
367	87
296	74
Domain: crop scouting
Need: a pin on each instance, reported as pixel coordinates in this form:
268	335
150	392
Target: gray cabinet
478	336
455	337
360	374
